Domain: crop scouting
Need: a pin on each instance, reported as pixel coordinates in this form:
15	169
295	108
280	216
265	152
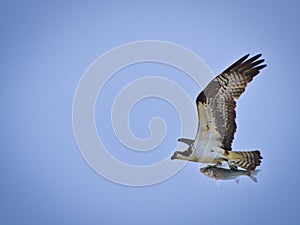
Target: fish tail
252	174
246	160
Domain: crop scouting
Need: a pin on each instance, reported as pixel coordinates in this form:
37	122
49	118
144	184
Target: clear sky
46	46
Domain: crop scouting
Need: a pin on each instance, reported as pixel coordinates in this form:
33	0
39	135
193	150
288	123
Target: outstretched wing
216	103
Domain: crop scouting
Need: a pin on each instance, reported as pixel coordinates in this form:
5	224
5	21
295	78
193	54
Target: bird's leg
218	164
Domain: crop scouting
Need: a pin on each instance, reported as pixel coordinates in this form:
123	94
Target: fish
228	174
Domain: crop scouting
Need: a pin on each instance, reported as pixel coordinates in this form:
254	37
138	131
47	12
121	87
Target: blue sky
47	46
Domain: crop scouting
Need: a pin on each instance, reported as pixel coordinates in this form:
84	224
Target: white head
186	155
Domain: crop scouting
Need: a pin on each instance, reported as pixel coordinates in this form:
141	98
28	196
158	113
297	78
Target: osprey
216	118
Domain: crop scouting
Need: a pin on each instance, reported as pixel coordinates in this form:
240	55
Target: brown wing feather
223	91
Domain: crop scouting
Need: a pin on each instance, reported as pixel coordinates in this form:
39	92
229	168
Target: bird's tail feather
247	160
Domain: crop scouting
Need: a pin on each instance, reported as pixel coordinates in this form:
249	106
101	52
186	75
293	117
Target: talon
218	164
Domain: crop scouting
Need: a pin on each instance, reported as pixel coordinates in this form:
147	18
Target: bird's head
175	155
185	155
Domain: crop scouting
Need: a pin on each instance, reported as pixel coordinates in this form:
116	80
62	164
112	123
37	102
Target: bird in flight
216	119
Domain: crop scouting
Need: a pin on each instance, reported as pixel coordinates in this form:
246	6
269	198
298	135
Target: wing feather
221	95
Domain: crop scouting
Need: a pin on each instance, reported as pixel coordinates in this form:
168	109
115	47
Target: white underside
206	146
208	151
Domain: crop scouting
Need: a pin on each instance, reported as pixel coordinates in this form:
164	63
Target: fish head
208	171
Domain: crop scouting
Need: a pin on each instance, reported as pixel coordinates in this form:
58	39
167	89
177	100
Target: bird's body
216	126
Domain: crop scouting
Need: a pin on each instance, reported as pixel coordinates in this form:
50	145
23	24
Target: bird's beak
173	157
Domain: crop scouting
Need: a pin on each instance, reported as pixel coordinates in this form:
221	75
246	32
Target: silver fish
228	174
